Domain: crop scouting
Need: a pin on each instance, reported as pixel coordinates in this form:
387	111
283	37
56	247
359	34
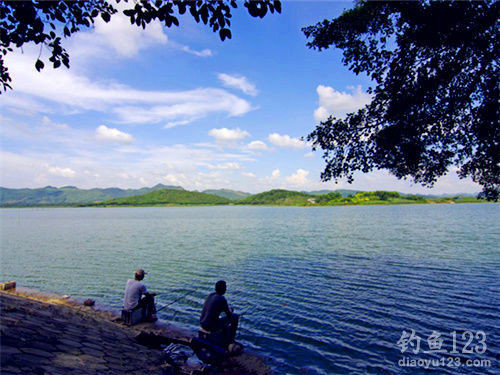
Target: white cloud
226	166
276	173
286	141
299	178
336	103
105	134
69	91
127	39
238	82
309	155
63	172
172	179
203	53
123	39
228	135
124	175
173	124
257	145
48	122
249	174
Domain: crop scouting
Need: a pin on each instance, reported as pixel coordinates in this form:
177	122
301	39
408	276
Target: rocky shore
55	336
42	338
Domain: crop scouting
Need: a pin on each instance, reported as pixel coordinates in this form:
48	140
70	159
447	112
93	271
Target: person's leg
148	307
229	326
233	327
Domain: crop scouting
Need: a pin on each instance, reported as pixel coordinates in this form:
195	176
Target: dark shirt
214	305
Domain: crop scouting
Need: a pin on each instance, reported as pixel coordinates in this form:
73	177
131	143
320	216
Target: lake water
325	290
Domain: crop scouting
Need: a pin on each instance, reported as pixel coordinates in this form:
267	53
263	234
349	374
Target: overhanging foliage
435	98
45	23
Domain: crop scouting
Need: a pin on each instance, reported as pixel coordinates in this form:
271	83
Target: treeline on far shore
276	197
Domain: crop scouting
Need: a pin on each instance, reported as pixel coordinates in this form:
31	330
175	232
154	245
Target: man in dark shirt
214	305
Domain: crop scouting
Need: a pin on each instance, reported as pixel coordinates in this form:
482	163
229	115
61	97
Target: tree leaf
39	65
106	17
225	33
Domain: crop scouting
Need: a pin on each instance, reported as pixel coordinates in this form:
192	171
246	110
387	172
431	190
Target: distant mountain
68	195
228	193
166	197
278	197
72	196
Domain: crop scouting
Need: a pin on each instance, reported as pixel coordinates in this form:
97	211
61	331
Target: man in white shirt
134	290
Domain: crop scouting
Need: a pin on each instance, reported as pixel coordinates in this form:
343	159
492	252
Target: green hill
339	198
278	197
68	195
344	192
165	197
228	193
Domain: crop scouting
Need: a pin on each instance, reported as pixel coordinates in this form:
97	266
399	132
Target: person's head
139	274
220	287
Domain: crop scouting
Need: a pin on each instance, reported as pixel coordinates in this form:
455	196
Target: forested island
161	195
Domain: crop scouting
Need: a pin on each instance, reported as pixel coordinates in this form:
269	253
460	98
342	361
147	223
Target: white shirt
133	292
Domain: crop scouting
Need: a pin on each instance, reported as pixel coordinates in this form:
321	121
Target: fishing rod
178	299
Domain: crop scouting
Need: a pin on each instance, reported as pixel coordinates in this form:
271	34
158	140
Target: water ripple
323	291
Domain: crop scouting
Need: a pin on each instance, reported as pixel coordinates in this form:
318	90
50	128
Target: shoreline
255	205
50	334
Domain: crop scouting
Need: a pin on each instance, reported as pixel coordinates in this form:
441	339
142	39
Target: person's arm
228	310
146	293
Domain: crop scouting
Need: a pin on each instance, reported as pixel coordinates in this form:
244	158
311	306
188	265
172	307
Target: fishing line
177	299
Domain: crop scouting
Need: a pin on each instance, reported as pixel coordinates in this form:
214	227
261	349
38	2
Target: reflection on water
325	290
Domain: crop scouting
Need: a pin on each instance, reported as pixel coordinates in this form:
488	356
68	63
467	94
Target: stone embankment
42	338
50	335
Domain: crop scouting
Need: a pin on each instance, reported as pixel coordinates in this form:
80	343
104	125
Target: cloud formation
238	82
299	178
257	146
63	172
68	90
127	40
286	141
122	39
203	53
226	166
336	103
105	134
228	135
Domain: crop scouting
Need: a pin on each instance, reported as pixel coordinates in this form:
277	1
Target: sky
179	107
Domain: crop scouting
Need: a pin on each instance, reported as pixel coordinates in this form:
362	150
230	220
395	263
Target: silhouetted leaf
225	33
39	65
277	6
106	17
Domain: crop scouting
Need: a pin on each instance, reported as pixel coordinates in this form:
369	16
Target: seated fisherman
214	305
132	300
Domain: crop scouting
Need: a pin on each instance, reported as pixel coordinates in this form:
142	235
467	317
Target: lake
325	290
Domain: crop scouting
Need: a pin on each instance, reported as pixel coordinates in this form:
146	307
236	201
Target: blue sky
178	106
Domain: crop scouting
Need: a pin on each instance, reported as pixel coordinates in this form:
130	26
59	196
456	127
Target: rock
9	285
37	352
